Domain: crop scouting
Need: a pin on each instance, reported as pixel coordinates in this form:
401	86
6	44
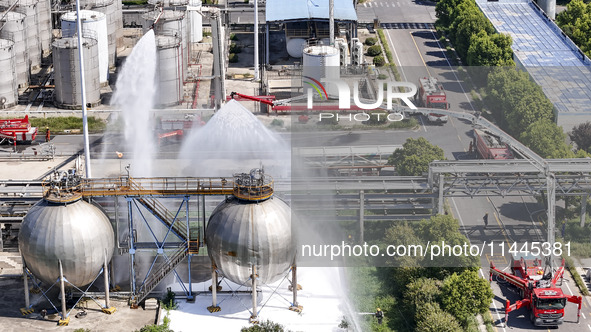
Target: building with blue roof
548	55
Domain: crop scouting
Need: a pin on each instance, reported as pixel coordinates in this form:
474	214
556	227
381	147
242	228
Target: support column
254	317
361	216
267	60
294	289
551	191
106	275
256	40
583	209
214	290
190	296
26	284
64	320
131	249
440	202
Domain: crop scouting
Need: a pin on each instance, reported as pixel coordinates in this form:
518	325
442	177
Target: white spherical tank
96	23
169	72
295	47
66	64
78	233
322	62
8	86
195	21
240	234
14	30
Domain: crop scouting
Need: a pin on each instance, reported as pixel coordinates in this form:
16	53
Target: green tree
470	21
547	139
266	326
466	294
490	50
432	319
374	50
415	156
420	292
575	21
446	11
581	135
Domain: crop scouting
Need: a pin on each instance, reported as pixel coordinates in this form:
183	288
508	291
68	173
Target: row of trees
575	21
472	34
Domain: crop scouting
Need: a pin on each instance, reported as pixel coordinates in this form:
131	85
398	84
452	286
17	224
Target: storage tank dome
295	47
77	233
242	233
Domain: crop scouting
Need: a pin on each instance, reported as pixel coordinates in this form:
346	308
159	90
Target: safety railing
127	186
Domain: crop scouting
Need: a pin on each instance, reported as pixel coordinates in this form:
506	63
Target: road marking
582	314
396	54
460	218
499	222
419	51
589	326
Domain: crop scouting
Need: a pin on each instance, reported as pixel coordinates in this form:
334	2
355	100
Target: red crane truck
489	146
432	95
17	130
538	290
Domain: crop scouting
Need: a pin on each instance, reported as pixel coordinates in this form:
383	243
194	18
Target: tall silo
29	8
8	86
114	22
14	29
72	231
195	21
322	62
66	75
169	70
45	29
95	23
170	23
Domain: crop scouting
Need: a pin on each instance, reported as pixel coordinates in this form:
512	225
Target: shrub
233	58
379	61
370	41
374	50
234	48
277	123
382	76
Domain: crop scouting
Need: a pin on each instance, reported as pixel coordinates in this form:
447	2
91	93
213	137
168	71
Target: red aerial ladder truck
538	290
17	130
432	95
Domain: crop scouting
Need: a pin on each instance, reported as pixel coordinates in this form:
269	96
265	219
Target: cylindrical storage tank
14	29
66	75
8	86
240	234
169	3
96	23
295	47
170	23
78	233
29	8
322	62
195	21
114	23
45	30
169	72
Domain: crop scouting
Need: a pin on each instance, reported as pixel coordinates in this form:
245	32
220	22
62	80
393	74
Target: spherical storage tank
14	29
295	47
242	233
169	72
323	62
8	86
96	23
66	75
77	233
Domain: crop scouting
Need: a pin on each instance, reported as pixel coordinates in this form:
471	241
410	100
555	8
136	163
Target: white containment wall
93	23
169	71
8	86
322	62
14	29
66	66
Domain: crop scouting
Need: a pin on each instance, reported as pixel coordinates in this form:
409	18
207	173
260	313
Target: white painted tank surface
66	75
96	22
295	47
169	72
14	29
170	23
29	8
112	11
322	62
195	21
8	86
168	3
45	29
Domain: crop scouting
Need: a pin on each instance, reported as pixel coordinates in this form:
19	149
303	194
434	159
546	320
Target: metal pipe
331	21
214	286
83	92
106	275
63	288
256	40
26	281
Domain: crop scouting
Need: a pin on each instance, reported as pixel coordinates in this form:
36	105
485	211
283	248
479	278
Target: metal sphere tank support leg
254	319
214	290
26	281
294	289
65	320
